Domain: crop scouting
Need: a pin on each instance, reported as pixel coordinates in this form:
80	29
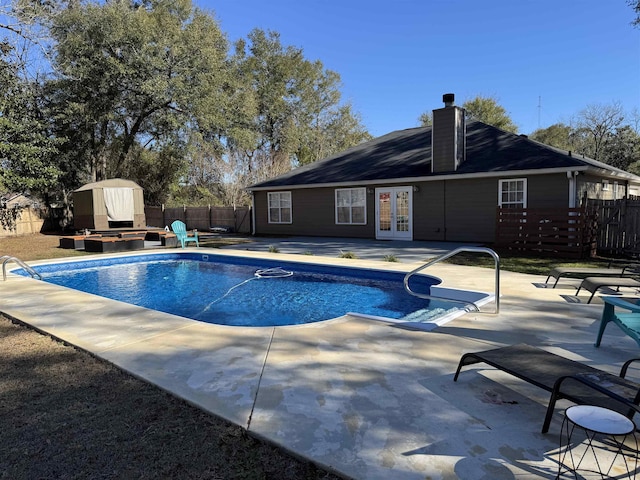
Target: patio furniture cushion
564	378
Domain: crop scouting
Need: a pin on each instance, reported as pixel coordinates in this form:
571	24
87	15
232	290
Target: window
279	207
605	185
615	190
351	206
512	193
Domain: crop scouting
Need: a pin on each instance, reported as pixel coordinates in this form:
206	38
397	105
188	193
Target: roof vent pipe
448	99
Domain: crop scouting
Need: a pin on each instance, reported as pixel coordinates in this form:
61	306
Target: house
442	183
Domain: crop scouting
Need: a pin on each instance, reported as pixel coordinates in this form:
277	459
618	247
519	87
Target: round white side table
595	421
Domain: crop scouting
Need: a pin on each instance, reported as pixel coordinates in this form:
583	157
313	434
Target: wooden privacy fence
618	226
230	219
569	232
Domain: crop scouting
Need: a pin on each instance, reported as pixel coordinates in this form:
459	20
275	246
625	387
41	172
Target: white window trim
269	194
524	187
364	191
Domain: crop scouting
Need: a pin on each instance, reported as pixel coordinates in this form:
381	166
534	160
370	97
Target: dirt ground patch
68	415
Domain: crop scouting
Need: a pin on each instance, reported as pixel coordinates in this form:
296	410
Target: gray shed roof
406	154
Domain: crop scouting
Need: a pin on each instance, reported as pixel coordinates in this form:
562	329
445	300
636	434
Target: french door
394	213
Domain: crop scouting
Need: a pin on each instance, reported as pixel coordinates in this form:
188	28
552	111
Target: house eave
603	172
430	178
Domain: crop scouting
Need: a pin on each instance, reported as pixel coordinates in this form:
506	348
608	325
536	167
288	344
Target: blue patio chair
180	229
629	322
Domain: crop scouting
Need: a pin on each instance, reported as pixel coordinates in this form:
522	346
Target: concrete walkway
363	249
364	398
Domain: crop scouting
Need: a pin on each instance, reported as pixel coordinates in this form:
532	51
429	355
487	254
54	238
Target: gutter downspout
573	188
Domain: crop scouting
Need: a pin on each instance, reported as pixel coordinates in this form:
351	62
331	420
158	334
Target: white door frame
389	225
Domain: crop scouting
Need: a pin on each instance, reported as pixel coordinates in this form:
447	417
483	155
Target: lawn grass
531	264
46	246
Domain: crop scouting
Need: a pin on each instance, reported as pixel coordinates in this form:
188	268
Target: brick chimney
447	136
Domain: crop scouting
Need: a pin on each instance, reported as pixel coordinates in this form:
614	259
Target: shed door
394	213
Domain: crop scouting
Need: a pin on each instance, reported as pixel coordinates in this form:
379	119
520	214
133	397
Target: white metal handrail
450	254
8	258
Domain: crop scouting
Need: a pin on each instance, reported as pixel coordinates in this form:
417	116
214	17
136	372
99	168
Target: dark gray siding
313	213
449	210
548	191
470	210
471	204
428	211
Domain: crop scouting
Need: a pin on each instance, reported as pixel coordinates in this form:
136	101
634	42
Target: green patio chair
180	229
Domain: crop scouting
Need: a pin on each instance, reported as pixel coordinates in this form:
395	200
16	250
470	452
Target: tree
426	119
299	117
635	4
26	149
598	133
558	135
487	110
622	149
134	76
595	126
483	109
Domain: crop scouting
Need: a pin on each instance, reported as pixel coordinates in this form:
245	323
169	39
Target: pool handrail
450	254
8	258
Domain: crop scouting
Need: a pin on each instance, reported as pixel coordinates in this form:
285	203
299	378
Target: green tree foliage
489	111
623	148
483	109
133	77
299	117
26	149
599	132
557	135
426	119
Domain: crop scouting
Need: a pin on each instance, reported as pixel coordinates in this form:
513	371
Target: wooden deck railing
569	232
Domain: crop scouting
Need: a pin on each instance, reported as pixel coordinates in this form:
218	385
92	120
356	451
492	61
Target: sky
543	60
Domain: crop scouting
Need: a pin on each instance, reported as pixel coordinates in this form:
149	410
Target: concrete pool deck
367	399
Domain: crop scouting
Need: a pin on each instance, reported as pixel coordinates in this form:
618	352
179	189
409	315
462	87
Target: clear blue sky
544	60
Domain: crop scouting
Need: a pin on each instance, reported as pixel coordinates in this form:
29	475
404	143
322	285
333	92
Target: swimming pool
225	290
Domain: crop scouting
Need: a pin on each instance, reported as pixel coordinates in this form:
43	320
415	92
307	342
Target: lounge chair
562	377
582	272
629	322
593	284
180	229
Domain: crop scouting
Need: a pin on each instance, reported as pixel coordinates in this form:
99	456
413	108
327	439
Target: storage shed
109	204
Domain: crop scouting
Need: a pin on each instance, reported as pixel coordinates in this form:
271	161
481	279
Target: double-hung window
279	207
512	193
351	206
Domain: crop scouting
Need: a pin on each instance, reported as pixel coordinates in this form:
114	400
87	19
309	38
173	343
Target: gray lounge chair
593	284
582	272
562	377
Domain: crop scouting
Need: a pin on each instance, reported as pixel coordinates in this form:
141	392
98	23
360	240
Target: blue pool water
225	290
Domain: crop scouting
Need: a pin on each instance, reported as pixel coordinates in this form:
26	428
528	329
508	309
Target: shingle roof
407	154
